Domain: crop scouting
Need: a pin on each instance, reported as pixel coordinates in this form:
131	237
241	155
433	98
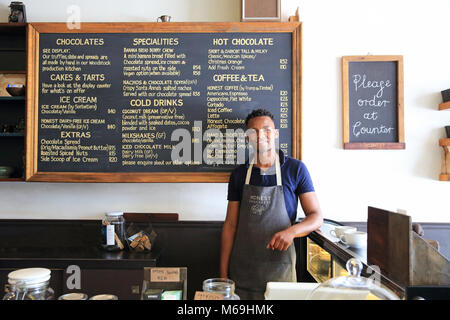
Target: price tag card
201	295
165	275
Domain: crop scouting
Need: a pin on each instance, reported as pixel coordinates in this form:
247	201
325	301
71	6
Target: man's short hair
258	113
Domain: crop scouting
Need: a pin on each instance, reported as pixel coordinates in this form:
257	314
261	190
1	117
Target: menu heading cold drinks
129	102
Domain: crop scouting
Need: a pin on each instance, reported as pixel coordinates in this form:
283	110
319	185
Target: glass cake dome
352	287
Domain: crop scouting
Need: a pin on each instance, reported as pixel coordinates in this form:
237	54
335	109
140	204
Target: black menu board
157	102
373	108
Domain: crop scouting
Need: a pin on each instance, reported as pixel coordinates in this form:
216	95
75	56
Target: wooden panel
429	266
32	93
150	217
389	244
185	27
125	284
373	145
345	102
400	102
128	177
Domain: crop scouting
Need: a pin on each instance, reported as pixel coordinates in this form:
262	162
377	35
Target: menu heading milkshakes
125	102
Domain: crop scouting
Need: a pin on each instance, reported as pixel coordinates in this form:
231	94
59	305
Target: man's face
261	133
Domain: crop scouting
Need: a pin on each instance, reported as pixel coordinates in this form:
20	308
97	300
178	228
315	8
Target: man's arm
228	233
313	220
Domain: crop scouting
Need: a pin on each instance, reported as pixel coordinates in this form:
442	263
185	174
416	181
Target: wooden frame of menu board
374	105
35	30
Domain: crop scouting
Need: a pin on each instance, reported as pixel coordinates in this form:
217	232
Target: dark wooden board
389	244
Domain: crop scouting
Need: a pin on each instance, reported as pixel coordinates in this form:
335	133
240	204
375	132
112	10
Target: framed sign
156	102
261	10
372	102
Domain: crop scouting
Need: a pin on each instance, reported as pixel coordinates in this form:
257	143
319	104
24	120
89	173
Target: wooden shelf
445	142
12	24
12	134
13	51
11	98
444	177
445	105
7	26
12	179
13	71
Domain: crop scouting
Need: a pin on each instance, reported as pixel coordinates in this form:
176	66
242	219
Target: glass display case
352	286
318	261
320	264
325	258
338	270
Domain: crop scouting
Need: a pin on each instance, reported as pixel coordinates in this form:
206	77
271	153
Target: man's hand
281	240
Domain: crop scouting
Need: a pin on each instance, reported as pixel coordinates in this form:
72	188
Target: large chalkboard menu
156	101
373	102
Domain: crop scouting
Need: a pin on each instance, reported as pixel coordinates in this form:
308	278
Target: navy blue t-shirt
295	179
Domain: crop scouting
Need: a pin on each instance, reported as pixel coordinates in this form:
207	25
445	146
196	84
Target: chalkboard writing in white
372	108
373	101
111	102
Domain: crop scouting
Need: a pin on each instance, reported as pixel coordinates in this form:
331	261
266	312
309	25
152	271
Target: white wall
346	181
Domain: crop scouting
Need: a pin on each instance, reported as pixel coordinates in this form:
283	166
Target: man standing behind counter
258	233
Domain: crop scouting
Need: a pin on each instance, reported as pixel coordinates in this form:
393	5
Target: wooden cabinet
12	109
126	284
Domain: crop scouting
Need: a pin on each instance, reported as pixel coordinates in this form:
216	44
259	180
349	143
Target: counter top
324	234
60	243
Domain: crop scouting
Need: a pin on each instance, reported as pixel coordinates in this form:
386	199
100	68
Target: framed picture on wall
372	102
261	10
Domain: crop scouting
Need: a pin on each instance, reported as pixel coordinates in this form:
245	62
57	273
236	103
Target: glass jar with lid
29	284
223	286
352	287
113	231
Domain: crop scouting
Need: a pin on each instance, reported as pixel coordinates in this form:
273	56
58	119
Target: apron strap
249	172
277	171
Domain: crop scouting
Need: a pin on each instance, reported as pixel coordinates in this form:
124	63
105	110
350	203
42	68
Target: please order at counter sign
372	102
